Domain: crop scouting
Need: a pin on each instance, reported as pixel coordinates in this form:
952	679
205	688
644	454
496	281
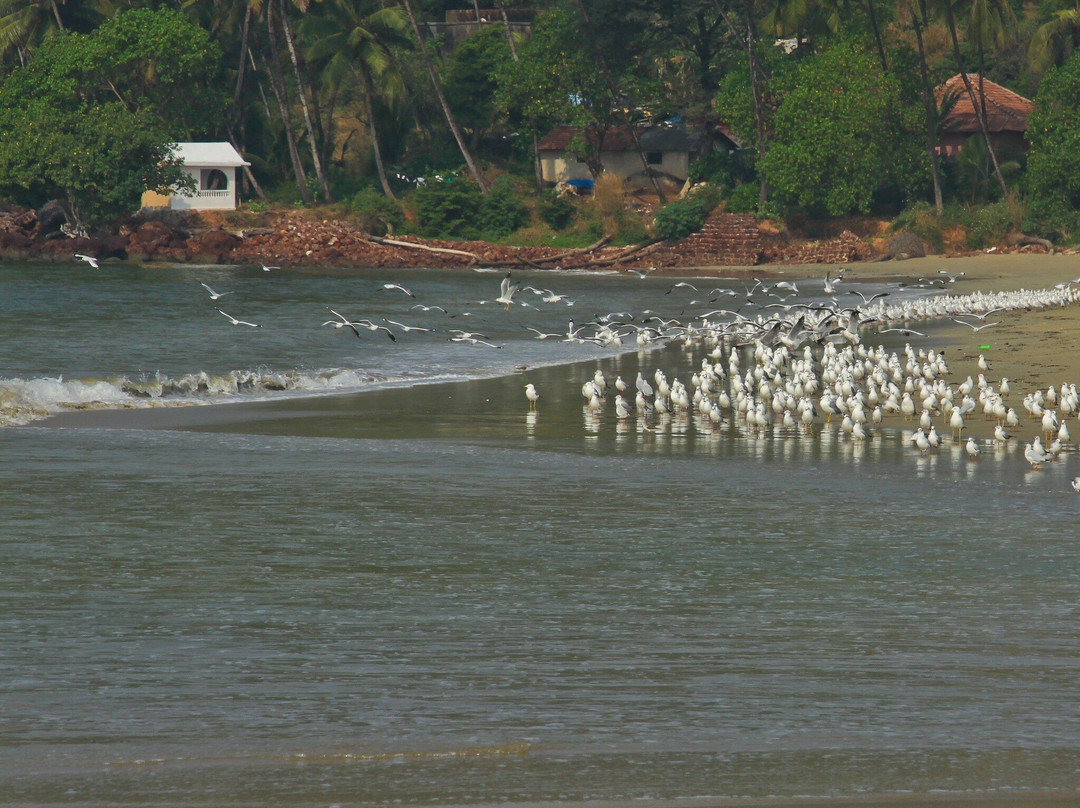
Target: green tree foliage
681	217
90	118
469	79
448	209
837	133
1053	166
561	78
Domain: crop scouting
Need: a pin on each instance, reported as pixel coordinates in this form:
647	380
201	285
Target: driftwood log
410	246
1022	239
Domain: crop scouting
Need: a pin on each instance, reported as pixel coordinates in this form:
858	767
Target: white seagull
399	287
507	291
214	295
266	268
234	321
88	259
532	395
1076	484
341	323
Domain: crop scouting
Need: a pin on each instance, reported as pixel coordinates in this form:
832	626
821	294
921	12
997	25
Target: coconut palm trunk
929	103
369	109
447	113
301	92
950	21
277	86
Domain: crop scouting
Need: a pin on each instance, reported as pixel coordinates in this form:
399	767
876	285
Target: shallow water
429	595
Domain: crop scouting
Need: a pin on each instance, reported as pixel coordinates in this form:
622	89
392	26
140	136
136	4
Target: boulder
211	247
148	238
904	245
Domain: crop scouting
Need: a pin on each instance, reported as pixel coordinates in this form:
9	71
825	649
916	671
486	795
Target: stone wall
727	239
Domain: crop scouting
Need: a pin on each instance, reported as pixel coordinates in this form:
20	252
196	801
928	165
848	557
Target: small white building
213	167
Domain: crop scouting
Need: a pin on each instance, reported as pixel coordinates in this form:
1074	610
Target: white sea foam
23	401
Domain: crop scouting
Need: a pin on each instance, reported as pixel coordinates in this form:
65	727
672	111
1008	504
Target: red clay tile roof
653	138
1006	111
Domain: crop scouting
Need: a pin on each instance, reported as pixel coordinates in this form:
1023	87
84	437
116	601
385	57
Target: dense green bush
447	209
501	210
557	212
1053	167
723	169
375	212
744	198
990	224
680	218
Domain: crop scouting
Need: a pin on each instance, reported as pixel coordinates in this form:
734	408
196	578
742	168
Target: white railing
213	194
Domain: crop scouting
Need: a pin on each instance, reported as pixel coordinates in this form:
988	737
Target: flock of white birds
808	367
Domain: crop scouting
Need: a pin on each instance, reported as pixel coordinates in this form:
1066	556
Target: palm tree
919	23
355	37
977	102
1049	44
447	113
301	91
24	23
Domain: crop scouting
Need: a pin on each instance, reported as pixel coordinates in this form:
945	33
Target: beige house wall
555	167
151	199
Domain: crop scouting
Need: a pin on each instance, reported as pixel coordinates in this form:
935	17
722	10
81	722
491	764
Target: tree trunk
749	42
537	168
450	120
324	183
277	85
877	34
975	103
56	13
930	107
369	108
615	100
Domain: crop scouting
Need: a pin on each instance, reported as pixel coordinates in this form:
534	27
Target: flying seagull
214	295
399	287
88	259
342	322
234	321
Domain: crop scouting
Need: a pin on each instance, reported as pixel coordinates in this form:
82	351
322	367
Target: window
654	158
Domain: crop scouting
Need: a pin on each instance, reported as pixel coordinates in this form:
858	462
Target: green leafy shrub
990	224
744	198
557	212
375	212
448	209
501	210
680	218
720	168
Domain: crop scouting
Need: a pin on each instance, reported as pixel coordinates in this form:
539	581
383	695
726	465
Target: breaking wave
23	401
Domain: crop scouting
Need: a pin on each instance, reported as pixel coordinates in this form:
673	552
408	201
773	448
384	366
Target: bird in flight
507	291
643	274
406	328
266	268
88	259
370	326
214	295
341	322
234	321
974	327
398	287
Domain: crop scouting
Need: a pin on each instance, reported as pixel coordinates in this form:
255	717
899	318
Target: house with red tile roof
1006	115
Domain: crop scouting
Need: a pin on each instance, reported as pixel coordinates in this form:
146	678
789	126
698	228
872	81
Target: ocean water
366	574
